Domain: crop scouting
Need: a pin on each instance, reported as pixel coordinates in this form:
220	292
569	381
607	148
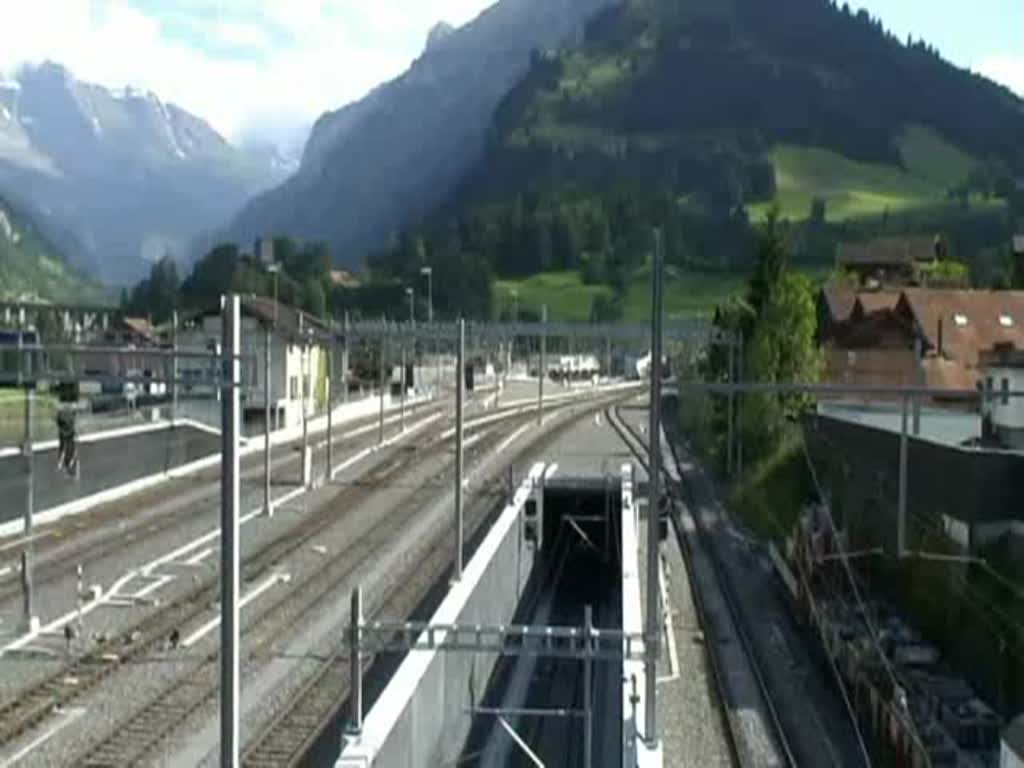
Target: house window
989	384
293	388
1006	321
960	319
1006	391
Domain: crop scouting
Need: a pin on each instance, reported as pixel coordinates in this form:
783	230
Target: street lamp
273	268
412	306
428	272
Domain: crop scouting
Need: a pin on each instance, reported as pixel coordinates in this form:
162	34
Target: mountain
128	176
31	267
732	102
374	166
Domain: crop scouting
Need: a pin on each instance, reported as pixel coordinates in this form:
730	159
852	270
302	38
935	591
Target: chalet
918	336
889	261
298	358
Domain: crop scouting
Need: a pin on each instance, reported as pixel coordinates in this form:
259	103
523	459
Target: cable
872	629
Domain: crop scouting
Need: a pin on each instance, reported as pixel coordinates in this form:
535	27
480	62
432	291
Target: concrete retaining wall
422	717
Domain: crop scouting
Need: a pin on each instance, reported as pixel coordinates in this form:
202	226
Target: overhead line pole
542	370
653	504
460	385
26	553
380	380
268	504
174	365
229	570
330	404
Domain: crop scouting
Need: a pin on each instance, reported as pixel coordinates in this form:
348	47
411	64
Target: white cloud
239	64
1007	69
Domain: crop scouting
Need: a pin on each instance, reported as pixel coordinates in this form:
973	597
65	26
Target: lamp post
268	505
428	272
412	305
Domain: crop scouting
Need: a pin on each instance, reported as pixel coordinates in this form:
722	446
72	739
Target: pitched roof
876	301
839	298
890	250
287	319
140	326
972	321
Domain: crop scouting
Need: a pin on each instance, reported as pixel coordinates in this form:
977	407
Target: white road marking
512	438
255	592
666	612
150	588
70	715
25	540
58	624
5	570
198	558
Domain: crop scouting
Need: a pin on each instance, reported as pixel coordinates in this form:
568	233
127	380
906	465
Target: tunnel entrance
542	697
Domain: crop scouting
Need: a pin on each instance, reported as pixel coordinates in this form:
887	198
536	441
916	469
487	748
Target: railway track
295	729
32	705
135	738
99	548
732	728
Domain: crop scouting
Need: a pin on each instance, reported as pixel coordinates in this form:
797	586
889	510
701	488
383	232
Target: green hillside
687	293
31	268
699	117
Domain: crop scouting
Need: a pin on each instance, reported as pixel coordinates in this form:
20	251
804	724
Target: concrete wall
980	492
422	717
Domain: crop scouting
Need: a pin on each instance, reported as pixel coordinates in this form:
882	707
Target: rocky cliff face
131	176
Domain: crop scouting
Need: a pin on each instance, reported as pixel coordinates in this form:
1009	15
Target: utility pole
268	503
174	365
654	503
730	405
26	553
588	665
920	380
380	378
330	402
307	385
229	522
344	362
541	373
739	411
355	663
460	384
401	407
901	521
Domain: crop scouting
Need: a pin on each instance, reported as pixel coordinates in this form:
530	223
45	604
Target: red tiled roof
839	299
877	301
972	321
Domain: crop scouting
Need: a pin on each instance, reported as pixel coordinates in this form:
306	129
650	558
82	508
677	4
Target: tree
157	296
212	276
315	299
772	258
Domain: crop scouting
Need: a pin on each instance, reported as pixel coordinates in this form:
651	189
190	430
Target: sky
265	69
